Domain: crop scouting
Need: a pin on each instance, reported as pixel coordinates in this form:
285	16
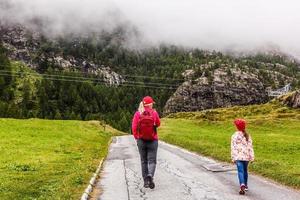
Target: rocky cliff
291	100
224	87
28	46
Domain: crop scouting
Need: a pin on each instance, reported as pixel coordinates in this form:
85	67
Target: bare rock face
293	100
224	88
23	45
16	40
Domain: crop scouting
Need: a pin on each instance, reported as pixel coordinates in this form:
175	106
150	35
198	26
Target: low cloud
234	25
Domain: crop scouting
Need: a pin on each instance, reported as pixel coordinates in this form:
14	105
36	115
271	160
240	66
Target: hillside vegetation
68	85
273	127
25	93
43	159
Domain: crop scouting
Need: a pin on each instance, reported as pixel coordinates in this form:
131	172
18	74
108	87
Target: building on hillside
281	91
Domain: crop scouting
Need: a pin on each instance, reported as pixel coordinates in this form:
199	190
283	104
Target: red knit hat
147	100
240	124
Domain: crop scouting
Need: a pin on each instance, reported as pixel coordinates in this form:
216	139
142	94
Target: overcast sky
207	24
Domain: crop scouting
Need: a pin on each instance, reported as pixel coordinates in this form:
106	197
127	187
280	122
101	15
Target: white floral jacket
240	148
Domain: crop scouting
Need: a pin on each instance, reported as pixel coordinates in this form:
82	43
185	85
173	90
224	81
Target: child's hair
246	134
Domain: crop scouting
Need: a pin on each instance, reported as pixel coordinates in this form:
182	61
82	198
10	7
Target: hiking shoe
242	191
151	183
146	182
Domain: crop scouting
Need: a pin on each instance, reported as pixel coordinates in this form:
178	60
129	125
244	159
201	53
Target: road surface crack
134	184
192	188
126	179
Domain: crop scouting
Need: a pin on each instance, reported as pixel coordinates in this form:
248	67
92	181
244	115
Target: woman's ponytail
141	108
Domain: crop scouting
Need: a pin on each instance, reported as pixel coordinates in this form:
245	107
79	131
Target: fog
225	25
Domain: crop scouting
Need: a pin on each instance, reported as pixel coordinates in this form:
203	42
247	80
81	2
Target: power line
98	81
86	81
152	77
78	79
137	76
90	78
48	75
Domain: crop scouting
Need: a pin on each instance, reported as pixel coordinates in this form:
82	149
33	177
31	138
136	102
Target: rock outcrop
24	45
292	100
223	88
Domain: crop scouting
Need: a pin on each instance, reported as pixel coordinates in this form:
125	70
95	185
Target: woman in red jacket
144	124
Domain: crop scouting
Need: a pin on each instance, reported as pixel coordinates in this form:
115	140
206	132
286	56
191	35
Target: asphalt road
180	175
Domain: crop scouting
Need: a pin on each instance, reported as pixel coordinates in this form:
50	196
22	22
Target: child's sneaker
246	188
242	191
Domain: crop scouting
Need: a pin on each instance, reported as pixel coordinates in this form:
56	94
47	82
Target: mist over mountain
228	25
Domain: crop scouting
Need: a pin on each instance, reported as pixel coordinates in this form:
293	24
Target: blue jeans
242	167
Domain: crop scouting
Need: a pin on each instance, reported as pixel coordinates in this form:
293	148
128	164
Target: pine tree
26	99
57	115
6	75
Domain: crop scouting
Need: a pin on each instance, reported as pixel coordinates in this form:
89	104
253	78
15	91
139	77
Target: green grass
44	159
275	130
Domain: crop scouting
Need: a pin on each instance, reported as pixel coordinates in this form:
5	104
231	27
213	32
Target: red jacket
136	119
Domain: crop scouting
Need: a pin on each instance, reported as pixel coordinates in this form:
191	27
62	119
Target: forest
50	92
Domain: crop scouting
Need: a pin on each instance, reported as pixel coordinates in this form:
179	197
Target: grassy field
275	130
43	159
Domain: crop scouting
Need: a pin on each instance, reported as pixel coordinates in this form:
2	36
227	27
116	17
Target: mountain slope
96	77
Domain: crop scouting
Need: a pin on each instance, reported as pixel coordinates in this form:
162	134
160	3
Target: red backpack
146	128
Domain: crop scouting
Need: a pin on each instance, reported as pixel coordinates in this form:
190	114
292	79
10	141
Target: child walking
241	153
